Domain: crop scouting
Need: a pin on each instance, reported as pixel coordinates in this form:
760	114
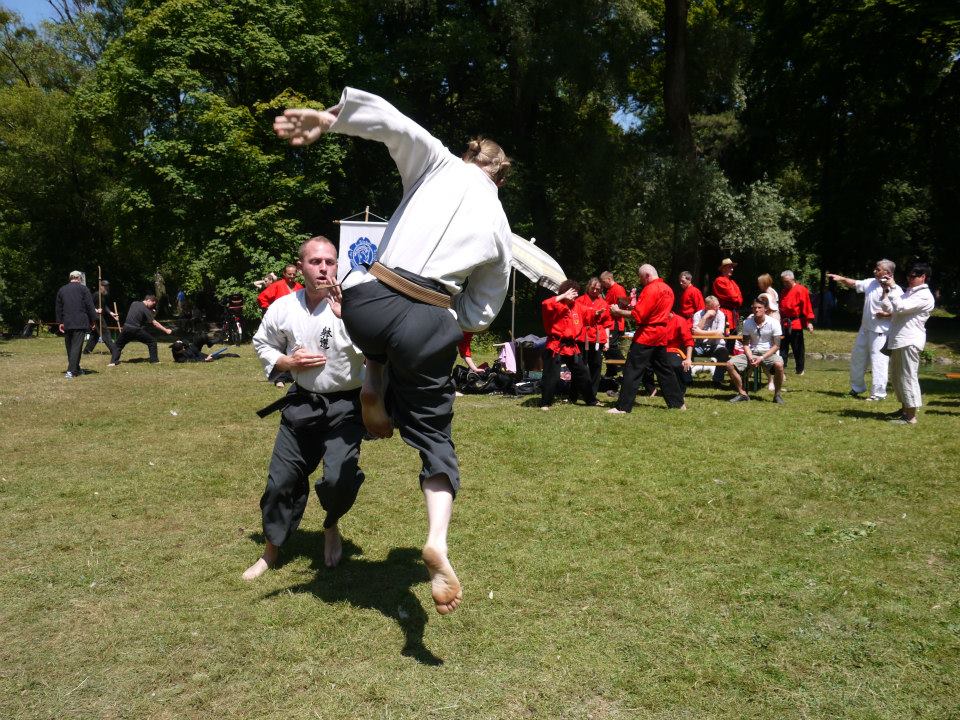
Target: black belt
295	391
564	342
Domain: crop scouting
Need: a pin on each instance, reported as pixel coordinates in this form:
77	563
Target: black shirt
138	316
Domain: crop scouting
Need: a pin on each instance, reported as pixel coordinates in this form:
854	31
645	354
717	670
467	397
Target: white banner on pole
359	242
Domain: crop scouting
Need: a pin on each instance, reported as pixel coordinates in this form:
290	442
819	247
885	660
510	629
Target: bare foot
332	547
614	411
445	586
266	561
375	417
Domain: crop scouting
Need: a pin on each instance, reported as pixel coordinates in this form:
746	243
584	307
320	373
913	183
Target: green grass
728	562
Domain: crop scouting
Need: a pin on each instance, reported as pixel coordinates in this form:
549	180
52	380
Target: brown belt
409	288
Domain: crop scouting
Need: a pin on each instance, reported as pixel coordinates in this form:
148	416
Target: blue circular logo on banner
362	253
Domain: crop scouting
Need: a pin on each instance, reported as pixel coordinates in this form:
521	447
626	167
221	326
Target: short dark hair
762	300
920	268
149	297
566	285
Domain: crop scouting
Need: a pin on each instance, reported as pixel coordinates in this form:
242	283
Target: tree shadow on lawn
861	414
384	585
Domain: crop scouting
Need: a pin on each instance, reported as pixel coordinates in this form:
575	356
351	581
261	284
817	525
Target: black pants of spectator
579	378
684	377
418	344
793	340
128	335
614	353
593	359
73	339
721	352
639	358
333	438
101	332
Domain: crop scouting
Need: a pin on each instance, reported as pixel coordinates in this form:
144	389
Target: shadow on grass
862	414
384	585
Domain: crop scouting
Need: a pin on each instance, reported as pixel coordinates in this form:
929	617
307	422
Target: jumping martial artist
409	308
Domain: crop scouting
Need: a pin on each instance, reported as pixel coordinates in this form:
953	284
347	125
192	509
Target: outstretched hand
302	126
335	298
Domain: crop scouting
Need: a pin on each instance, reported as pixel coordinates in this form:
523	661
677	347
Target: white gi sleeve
269	342
485	291
415	151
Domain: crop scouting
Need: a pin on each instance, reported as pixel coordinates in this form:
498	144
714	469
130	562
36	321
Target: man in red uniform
284	286
615	294
729	295
562	323
594	337
796	314
691	299
649	346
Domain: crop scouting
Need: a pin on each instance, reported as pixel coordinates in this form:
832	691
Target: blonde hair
765	281
490	157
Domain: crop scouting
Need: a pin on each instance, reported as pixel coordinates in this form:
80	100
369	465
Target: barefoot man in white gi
408	310
302	333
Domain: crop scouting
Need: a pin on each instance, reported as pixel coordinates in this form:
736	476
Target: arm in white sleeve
481	300
269	342
914	304
413	149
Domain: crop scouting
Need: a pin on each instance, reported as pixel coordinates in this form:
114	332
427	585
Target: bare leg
777	379
375	418
266	561
332	547
445	586
735	378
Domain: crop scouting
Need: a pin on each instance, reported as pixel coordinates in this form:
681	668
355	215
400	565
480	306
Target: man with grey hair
874	327
796	315
75	315
649	347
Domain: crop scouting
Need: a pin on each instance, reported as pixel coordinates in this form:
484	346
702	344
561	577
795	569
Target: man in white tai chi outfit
408	310
874	326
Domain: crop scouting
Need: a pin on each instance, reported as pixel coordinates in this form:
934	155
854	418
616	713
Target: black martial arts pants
418	344
328	429
684	377
102	332
579	378
73	340
639	358
792	340
134	334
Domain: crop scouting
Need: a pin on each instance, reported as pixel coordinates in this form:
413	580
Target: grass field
745	561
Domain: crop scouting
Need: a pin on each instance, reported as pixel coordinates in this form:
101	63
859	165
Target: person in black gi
139	316
101	333
302	333
75	315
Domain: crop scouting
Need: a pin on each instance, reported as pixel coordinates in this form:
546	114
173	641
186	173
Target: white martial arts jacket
288	324
873	303
449	225
910	313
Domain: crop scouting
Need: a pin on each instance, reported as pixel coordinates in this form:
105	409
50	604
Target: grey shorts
741	363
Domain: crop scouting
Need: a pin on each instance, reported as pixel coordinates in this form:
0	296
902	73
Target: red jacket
596	318
563	326
652	312
679	335
464	345
274	291
796	308
614	295
691	300
731	300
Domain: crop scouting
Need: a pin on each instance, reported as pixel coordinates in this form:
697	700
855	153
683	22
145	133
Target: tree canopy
135	134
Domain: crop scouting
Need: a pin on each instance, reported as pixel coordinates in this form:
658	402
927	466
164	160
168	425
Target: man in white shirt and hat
407	310
874	326
908	334
302	333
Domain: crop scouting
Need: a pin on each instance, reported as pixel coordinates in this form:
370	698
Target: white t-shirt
872	304
714	326
761	338
449	225
288	324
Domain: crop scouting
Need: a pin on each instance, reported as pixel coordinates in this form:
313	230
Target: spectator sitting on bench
711	320
761	344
